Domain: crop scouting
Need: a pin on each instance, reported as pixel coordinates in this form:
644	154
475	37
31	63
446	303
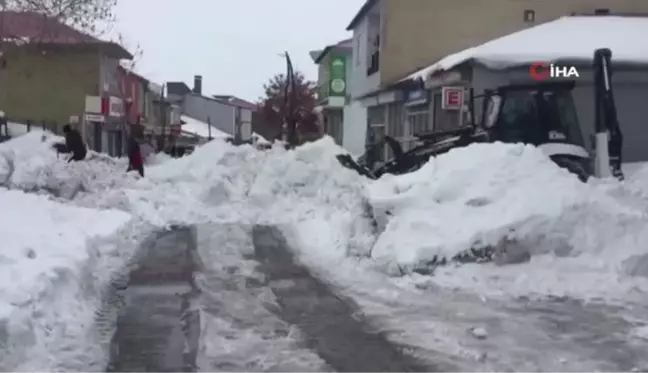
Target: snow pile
513	199
30	163
221	182
16	129
47	273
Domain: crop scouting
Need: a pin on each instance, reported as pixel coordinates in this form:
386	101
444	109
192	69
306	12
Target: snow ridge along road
331	324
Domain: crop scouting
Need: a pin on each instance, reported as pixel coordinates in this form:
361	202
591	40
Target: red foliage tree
273	109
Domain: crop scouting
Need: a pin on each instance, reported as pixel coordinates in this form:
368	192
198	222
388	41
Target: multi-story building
48	76
333	71
342	118
393	38
52	73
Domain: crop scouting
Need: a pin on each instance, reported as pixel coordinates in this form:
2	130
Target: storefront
104	126
417	116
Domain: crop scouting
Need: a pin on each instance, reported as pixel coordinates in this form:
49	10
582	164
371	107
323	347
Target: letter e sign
453	98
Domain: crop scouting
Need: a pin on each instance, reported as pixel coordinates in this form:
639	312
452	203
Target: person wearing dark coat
74	144
135	160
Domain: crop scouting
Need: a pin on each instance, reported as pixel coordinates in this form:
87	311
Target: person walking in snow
74	144
135	159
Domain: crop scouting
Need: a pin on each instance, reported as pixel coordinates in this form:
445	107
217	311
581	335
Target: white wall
355	128
361	83
355	113
222	116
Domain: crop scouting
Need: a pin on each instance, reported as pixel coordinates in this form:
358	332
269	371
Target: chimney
197	88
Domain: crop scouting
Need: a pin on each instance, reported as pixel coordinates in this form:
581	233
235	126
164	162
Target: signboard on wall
337	75
452	98
417	97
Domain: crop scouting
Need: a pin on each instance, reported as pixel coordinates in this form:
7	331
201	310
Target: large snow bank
583	239
514	199
46	269
30	163
507	197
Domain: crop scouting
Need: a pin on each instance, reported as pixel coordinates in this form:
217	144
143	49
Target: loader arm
609	139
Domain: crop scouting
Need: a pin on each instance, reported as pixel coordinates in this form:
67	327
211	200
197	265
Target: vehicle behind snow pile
540	114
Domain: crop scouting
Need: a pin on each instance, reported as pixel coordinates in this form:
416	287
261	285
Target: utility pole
290	124
209	132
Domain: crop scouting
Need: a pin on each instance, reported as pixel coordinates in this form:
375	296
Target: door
418	121
376	123
97	137
445	119
632	112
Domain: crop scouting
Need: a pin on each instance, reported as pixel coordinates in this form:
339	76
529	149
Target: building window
396	125
333	122
417	122
376	118
444	119
356	50
373	57
529	16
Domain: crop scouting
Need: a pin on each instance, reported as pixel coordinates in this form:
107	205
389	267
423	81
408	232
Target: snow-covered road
576	302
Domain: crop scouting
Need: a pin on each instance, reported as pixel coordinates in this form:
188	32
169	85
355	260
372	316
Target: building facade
508	63
229	117
393	38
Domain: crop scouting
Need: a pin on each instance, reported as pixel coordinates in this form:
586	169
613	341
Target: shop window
444	119
417	122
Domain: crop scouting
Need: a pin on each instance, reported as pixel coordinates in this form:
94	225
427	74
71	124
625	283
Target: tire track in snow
156	329
341	339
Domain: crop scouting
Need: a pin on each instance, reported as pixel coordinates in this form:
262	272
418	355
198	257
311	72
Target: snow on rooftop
567	38
156	88
200	128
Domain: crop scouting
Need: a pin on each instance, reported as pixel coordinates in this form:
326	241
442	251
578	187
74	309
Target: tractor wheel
575	166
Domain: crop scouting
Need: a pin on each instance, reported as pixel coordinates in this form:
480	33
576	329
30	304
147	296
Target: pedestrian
74	144
135	159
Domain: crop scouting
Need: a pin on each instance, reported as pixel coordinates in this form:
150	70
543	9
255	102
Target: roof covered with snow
572	38
200	128
345	45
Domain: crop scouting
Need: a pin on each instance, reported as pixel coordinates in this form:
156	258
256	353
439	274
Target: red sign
453	98
539	71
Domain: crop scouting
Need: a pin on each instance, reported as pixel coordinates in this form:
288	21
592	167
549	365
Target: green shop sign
337	79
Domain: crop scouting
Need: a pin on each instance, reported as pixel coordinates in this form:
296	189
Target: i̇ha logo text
546	70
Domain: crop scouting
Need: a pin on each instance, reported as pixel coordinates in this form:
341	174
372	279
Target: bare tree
92	17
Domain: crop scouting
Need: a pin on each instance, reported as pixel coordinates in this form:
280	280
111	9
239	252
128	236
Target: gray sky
233	44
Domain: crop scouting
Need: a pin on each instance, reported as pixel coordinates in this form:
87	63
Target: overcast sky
233	44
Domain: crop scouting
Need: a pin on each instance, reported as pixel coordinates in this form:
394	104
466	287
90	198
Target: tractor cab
536	114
